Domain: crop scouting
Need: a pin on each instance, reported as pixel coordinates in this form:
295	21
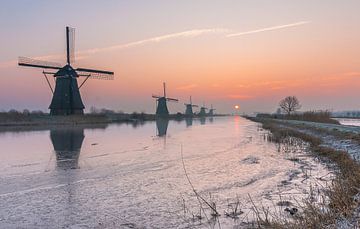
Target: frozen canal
124	176
349	121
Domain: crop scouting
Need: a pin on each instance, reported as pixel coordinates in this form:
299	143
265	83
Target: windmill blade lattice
171	99
71	44
29	62
95	75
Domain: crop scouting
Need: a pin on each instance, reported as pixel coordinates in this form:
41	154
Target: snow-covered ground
349	121
332	140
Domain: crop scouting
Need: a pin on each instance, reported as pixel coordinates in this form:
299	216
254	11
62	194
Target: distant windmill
161	107
189	106
66	96
203	110
211	111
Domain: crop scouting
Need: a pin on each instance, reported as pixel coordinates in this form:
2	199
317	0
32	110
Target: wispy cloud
268	29
83	54
239	96
187	87
184	34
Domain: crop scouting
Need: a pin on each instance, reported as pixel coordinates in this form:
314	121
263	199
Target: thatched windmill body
161	103
66	98
203	110
189	108
211	111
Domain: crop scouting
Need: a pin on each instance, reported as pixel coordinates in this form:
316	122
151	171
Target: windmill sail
95	74
70	45
171	99
29	62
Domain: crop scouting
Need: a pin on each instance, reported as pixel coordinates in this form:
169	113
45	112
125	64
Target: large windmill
203	110
211	111
66	98
189	106
161	106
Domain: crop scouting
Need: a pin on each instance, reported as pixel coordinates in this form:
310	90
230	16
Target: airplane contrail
85	53
184	34
268	29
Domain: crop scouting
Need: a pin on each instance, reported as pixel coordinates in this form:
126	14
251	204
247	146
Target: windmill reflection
67	145
162	125
202	120
189	121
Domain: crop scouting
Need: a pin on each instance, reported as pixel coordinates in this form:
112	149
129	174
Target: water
349	121
125	176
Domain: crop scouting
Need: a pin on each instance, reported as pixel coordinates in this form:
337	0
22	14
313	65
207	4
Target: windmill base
66	112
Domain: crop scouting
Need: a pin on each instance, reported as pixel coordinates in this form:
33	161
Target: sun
237	107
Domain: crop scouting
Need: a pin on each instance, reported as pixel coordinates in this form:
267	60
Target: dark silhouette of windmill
67	145
189	106
211	111
66	96
162	126
203	110
188	121
161	103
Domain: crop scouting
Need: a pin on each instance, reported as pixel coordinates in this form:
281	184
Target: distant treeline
23	112
19	116
311	116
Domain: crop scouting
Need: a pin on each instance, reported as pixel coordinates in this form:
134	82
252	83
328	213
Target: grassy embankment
341	198
310	116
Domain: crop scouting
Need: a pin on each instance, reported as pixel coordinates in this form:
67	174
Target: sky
250	53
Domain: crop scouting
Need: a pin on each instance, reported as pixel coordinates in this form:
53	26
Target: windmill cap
66	70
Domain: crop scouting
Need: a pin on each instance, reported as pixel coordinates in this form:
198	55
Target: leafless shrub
290	104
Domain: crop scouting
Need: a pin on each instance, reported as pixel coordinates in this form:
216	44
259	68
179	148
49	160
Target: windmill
161	107
203	110
66	98
189	106
211	111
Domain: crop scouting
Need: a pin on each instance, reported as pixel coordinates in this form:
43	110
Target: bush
314	116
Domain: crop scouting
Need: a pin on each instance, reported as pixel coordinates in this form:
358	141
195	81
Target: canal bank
338	147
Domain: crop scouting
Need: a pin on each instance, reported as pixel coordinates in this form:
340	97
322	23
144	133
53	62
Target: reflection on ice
189	121
162	125
202	120
67	145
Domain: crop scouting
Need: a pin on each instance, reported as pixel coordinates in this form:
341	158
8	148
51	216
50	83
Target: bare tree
290	104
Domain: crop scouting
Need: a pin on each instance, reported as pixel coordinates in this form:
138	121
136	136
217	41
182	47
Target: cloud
215	85
268	29
239	96
184	34
83	54
187	87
